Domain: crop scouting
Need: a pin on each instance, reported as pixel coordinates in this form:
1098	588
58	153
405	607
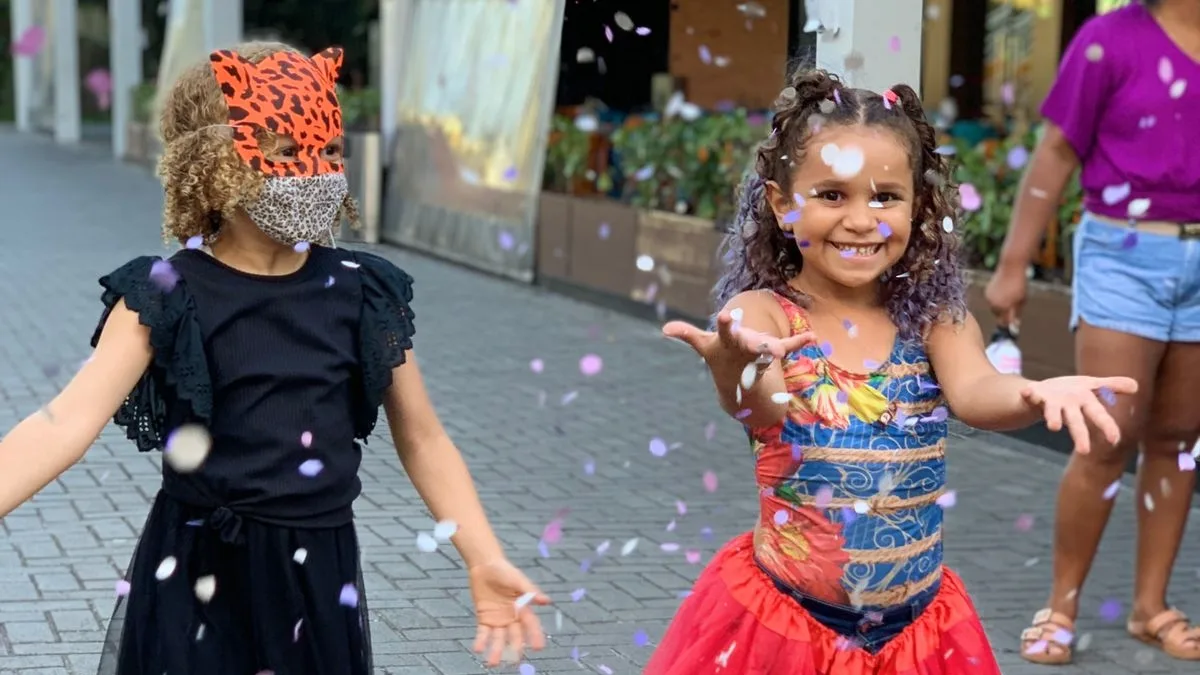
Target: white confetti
166	568
525	599
205	588
781	397
749	375
426	543
1138	207
1094	52
629	546
300	556
187	448
444	530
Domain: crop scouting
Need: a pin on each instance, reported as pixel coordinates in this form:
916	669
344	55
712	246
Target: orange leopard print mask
287	94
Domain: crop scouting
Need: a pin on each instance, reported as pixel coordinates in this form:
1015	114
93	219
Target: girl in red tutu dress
846	232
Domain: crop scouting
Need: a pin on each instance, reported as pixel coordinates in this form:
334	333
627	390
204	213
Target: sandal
1171	632
1048	641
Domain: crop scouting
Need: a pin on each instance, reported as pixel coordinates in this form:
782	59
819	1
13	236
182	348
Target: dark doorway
622	69
1074	13
802	47
968	31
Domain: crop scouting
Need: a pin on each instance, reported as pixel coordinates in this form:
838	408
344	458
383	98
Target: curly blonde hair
926	285
204	178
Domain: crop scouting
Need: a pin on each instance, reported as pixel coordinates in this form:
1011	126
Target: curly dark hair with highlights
926	285
204	178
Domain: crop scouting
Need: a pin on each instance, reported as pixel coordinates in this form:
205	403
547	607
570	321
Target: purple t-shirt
1128	100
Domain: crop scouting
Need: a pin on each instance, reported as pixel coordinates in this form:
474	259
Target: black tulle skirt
242	598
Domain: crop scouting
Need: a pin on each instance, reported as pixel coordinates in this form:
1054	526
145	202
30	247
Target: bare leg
1082	511
1165	492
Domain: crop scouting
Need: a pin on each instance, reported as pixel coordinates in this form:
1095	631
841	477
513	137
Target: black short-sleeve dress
250	564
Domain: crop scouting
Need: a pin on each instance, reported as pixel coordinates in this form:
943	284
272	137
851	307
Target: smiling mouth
857	250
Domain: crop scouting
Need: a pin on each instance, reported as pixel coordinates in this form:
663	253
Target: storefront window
1007	55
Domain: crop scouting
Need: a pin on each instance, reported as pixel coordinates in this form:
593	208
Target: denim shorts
1136	282
869	630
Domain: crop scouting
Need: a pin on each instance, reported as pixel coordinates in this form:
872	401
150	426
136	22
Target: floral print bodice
850	481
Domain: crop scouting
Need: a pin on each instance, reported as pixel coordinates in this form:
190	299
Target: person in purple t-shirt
1126	109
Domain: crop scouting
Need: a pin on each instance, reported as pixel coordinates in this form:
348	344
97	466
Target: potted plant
140	132
364	159
993	170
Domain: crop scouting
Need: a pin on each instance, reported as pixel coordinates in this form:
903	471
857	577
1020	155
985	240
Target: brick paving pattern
71	215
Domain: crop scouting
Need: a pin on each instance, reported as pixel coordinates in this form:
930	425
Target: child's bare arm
977	394
50	441
435	465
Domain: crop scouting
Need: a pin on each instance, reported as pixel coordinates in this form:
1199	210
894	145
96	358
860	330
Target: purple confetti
644	173
543	549
804	243
940	414
604	230
577	594
705	55
792	216
797	452
781	517
871	364
589	467
506	240
164	276
1107	396
1110	610
642	30
527	669
1018	157
848	515
122	588
1187	462
1130	241
842	397
743	414
885	230
311	467
195	242
510	174
349	596
681	507
301	247
640	639
608	34
826	349
710	431
658	447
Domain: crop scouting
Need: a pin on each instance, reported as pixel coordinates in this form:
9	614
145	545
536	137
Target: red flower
806	552
775	462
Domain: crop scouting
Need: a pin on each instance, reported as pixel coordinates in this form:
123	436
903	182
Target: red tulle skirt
736	622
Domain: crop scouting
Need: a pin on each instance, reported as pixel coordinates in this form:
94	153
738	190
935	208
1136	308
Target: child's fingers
516	640
481	633
495	646
795	342
1077	427
535	637
686	333
1054	416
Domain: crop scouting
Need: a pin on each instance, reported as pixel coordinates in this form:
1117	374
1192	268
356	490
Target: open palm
504	598
733	341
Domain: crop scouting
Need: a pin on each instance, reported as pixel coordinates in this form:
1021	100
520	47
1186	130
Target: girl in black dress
256	358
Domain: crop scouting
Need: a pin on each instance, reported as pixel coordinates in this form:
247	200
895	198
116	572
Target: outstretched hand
735	342
1074	401
504	599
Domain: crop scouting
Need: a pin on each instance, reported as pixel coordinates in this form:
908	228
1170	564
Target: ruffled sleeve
176	388
385	332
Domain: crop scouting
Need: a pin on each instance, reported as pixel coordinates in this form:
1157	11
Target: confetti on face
166	568
349	596
187	448
885	230
710	481
122	588
791	217
206	588
426	543
781	398
845	162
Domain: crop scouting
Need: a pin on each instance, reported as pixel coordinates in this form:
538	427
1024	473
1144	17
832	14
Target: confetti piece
705	55
187	447
296	631
1018	157
591	365
312	467
166	568
1148	501
781	517
969	197
823	497
122	588
629	547
589	467
894	43
527	669
301	247
885	230
350	264
669	547
444	530
1115	194
623	21
749	376
426	543
947	499
710	481
349	596
1024	523
604	230
827	349
306	439
1166	70
1094	52
300	556
640	639
658	447
1187	462
1107	396
524	600
552	533
645	263
577	594
568	397
1138	208
506	240
681	507
1130	240
163	276
642	30
608	34
781	397
692	556
31	41
603	547
1111	490
1110	610
205	588
791	217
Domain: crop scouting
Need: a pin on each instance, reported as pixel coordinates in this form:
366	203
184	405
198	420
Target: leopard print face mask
296	209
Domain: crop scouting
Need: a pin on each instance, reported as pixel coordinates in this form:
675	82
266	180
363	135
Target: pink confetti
1187	462
123	588
99	83
537	365
552	533
306	439
1024	522
30	42
894	43
608	34
681	507
590	365
947	499
692	556
969	197
710	481
824	496
710	430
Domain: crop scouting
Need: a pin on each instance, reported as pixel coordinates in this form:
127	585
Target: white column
21	18
871	44
67	116
223	23
395	19
125	62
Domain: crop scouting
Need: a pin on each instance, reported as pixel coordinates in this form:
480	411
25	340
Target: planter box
364	173
1047	344
684	252
603	245
554	236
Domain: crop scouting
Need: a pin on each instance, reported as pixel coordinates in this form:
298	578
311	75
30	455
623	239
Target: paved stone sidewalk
71	215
